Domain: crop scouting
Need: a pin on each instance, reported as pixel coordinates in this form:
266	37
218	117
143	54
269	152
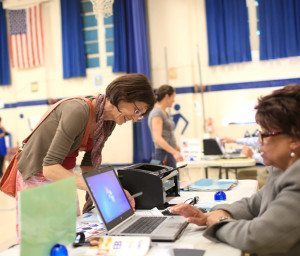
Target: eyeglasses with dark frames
262	135
138	112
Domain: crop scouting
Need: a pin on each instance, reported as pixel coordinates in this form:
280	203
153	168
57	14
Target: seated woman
268	222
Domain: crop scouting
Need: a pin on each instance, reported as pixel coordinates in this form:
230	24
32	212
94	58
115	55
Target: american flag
26	42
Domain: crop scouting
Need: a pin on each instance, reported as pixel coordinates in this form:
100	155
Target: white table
191	238
244	188
226	164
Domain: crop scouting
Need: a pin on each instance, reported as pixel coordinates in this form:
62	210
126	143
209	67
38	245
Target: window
109	40
98	46
253	26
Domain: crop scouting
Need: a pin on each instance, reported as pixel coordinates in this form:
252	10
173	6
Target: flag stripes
26	41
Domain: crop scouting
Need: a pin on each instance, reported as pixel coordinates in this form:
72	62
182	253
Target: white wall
178	43
178	31
51	85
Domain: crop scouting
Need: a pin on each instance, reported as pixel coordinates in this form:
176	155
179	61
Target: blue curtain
131	55
228	31
74	59
4	60
279	26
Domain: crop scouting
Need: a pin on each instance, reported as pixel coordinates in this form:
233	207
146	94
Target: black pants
1	165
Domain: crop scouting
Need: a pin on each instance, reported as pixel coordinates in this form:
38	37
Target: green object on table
47	217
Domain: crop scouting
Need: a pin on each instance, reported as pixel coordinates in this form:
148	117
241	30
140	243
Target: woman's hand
178	157
130	199
227	140
215	216
247	151
192	214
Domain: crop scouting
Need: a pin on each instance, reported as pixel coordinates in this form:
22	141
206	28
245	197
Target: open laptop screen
108	196
212	147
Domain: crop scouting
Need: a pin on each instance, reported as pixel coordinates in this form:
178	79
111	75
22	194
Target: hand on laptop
225	140
130	199
247	151
196	216
192	214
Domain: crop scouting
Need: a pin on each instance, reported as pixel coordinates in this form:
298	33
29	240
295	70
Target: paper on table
123	245
179	199
154	212
47	216
91	225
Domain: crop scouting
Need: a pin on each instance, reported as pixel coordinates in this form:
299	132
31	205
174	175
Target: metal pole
166	64
201	88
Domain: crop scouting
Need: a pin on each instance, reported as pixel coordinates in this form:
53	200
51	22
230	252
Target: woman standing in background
2	148
162	128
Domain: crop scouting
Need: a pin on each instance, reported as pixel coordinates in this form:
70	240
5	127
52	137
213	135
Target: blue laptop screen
108	194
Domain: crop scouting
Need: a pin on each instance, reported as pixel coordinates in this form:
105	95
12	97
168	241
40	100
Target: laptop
214	147
119	217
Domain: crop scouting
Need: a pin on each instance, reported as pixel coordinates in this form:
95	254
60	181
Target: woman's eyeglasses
138	112
262	135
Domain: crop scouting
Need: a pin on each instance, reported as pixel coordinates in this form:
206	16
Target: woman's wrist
174	152
80	182
224	215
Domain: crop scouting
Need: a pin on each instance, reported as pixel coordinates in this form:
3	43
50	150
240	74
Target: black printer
154	181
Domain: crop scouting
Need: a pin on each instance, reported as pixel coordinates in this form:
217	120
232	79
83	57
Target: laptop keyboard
144	225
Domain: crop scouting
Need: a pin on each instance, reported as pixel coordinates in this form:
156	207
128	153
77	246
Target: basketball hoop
103	6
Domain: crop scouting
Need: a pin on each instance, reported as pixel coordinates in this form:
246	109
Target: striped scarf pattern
103	130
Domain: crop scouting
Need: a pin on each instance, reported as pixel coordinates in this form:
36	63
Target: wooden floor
8	205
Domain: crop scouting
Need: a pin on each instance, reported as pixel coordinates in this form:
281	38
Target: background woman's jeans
164	157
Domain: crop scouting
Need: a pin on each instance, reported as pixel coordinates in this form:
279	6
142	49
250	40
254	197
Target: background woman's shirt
168	126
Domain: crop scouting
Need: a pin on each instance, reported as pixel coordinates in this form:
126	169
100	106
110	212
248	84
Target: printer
156	182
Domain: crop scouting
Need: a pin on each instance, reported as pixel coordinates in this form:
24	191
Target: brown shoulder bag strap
89	123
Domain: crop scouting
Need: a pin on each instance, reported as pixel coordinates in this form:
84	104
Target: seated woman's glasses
262	135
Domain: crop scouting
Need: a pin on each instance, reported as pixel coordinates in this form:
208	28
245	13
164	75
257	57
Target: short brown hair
131	88
280	111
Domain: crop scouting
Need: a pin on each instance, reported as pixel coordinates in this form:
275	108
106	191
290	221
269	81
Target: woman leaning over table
50	154
268	222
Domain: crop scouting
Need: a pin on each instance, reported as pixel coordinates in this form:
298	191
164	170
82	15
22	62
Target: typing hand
192	214
247	151
225	140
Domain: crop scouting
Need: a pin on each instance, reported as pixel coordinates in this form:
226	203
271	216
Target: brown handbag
9	179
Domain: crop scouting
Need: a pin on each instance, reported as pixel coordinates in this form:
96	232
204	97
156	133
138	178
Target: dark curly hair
280	110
